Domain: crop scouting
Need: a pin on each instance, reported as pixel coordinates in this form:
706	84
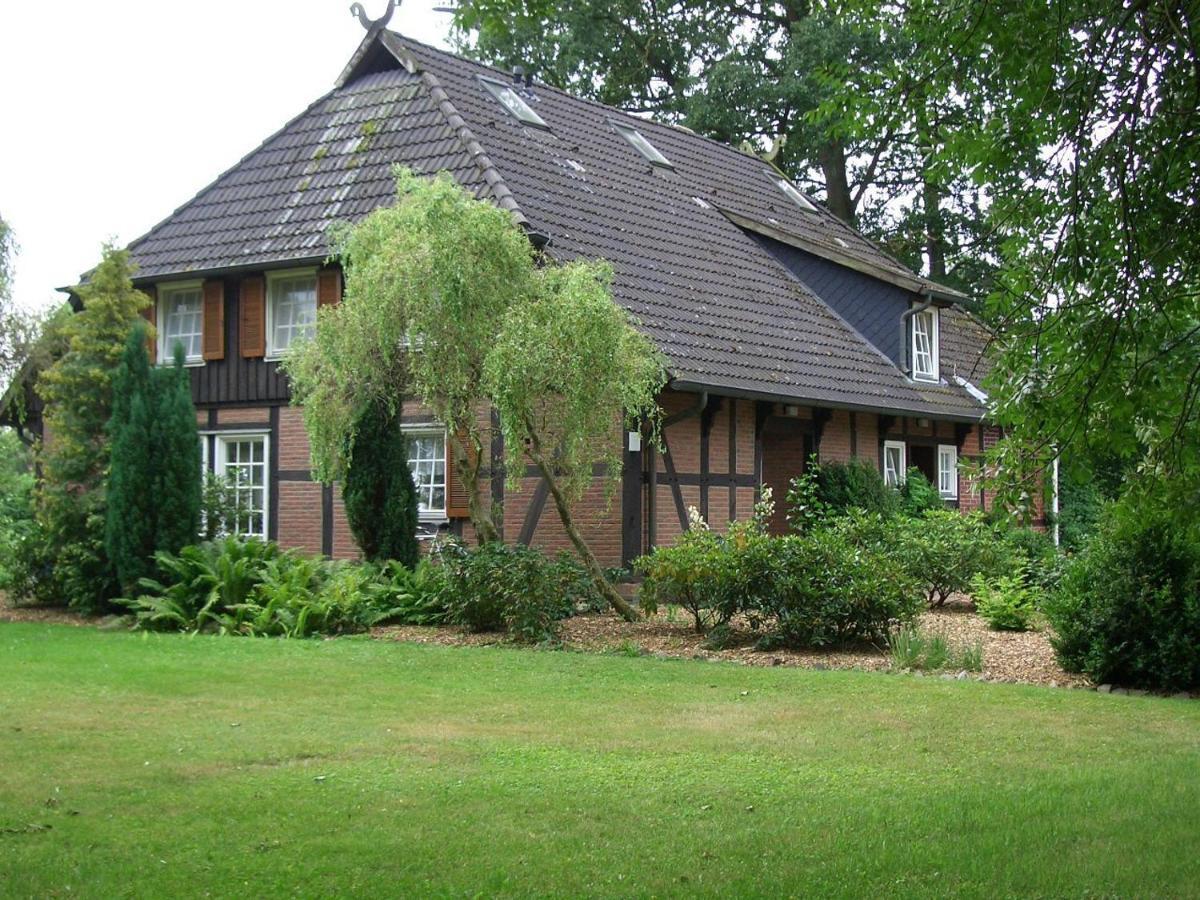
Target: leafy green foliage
378	492
78	394
497	587
692	575
218	506
917	495
832	489
909	648
946	549
250	587
153	489
1006	602
16	500
1128	608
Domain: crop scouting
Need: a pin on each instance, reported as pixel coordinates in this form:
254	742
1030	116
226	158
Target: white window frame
411	431
903	468
518	109
274	278
166	354
947	464
932	374
791	192
642	145
223	437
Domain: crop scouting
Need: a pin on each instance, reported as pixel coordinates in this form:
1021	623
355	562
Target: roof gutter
905	317
693	387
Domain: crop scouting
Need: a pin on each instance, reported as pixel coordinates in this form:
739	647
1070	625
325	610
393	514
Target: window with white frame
792	192
925	345
291	309
242	461
948	471
427	462
180	321
894	463
513	102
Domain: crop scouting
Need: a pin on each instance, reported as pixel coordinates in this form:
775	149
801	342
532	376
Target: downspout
1054	503
905	340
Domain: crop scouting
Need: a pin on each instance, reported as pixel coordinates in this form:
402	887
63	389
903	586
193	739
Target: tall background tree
810	86
378	491
78	393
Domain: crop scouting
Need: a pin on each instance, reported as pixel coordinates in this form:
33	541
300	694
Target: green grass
166	765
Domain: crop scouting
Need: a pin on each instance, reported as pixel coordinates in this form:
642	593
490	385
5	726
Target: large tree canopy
806	84
1082	120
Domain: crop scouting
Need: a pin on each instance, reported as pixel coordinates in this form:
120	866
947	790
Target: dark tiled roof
726	313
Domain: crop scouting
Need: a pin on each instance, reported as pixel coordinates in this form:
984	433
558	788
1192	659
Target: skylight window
513	103
794	195
643	146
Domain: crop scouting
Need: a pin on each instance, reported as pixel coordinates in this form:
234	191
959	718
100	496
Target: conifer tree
178	482
379	494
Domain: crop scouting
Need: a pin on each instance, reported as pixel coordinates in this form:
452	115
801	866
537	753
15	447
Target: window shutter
329	287
457	499
252	318
150	314
213	340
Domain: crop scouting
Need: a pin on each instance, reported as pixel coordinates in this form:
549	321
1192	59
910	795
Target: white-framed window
948	471
925	345
643	146
513	102
242	460
895	462
792	192
427	462
291	308
181	321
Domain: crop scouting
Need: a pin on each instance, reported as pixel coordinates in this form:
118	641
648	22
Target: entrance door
925	459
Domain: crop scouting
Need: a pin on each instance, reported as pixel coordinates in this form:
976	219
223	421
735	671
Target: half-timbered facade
788	334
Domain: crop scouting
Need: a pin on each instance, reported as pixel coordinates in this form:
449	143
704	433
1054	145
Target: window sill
187	363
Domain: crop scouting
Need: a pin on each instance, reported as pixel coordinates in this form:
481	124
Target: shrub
691	575
1006	602
500	587
909	648
946	549
1043	562
218	506
832	489
1128	608
16	501
829	591
906	646
415	595
918	496
378	491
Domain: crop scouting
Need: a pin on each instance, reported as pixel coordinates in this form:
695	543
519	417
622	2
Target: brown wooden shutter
150	314
213	340
457	499
252	317
329	287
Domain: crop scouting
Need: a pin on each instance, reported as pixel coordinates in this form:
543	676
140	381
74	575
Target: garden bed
1021	657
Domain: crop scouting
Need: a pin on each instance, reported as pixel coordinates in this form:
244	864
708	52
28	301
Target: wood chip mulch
1021	657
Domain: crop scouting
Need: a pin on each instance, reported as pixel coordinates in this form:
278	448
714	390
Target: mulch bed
1023	657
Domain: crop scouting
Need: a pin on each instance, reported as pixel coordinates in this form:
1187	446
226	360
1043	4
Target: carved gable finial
377	24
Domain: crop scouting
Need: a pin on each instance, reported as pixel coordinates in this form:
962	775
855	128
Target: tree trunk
619	603
468	471
935	237
832	157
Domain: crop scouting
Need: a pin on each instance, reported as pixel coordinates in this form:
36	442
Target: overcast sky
118	111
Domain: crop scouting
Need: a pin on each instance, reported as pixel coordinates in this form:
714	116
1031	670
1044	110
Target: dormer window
925	345
513	102
643	146
792	193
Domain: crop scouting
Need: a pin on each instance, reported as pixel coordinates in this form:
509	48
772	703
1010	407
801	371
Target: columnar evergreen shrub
153	495
378	492
832	489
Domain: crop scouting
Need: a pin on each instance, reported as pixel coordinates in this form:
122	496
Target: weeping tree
379	495
447	301
566	368
427	282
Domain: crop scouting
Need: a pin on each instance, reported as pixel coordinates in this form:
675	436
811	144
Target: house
787	332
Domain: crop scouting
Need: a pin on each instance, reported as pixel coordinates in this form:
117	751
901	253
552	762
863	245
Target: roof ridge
491	174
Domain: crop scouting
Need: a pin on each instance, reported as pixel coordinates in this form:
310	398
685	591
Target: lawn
136	765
